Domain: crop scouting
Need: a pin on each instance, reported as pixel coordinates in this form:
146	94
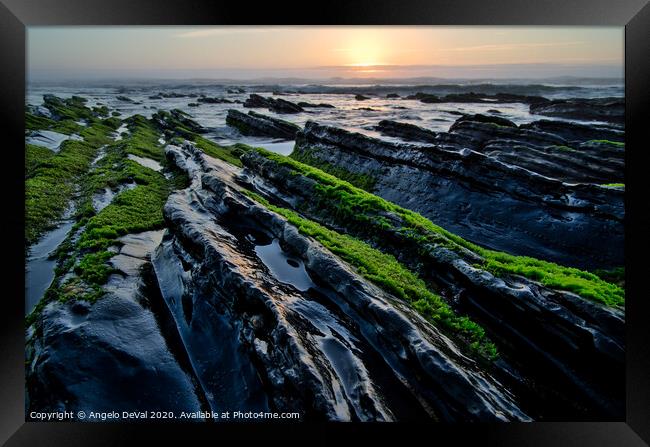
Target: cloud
396	50
513	46
228	30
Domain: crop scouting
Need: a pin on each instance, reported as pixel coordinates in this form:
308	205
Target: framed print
379	219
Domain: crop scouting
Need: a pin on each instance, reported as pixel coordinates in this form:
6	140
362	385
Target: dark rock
392	95
472	97
193	104
487	119
113	355
580	165
80	308
576	132
123	98
39	111
611	110
565	344
173	95
525	99
177	122
361	97
342	350
261	125
155	97
405	131
207	100
275	105
425	98
320	105
465	97
112	358
482	199
485	130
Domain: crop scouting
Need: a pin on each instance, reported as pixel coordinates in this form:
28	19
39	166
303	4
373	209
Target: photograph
284	223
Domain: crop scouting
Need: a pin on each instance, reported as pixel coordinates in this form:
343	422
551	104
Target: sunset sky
323	52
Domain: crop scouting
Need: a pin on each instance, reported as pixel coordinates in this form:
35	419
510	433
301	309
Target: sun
365	53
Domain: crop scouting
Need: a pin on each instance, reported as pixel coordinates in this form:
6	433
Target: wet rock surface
471	97
562	354
342	350
277	105
461	184
610	110
256	124
227	306
49	139
577	132
113	354
406	131
108	356
209	100
321	105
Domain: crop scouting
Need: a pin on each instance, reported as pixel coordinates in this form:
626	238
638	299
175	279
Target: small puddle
100	155
285	268
279	147
49	139
120	130
39	270
102	199
146	162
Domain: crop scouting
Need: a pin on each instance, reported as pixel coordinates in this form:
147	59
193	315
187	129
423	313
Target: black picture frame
16	15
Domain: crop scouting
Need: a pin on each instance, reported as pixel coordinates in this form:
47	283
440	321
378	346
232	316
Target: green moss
613	143
230	154
132	211
135	210
614	276
67	127
53	178
69	108
177	123
351	205
86	249
101	111
237	124
585	284
143	140
363	181
34	156
67	113
93	269
385	271
51	185
33	122
614	185
564	149
179	126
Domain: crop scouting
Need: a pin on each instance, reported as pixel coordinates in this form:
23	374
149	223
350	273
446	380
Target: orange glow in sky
332	50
